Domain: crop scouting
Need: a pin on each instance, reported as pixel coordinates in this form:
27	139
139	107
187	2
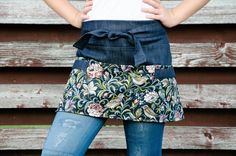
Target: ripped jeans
72	134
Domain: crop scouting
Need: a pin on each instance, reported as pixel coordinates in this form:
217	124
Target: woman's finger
154	17
87	9
84	16
153	3
151	11
88	3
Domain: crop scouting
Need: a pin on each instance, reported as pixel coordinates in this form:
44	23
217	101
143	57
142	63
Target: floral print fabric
122	92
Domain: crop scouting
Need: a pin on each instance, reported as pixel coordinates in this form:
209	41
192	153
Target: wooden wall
36	54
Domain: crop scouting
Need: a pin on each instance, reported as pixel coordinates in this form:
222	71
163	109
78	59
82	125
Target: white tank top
117	10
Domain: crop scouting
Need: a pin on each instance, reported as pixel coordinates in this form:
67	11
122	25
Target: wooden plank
204	54
40	54
30	95
36	54
208	95
175	137
37	12
215	12
193	117
23	75
48	95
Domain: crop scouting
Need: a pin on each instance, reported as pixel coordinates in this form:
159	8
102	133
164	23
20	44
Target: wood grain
175	137
41	54
37	12
218	96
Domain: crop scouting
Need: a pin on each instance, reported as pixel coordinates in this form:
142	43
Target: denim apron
125	43
123	70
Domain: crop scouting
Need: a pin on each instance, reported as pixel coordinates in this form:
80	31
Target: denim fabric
144	139
125	42
71	135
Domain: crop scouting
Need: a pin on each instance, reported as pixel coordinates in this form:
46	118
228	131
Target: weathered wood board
48	95
13	12
38	54
175	137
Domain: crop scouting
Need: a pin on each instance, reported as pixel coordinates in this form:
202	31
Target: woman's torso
117	10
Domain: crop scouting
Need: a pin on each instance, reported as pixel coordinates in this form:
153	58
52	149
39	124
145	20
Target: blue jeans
71	135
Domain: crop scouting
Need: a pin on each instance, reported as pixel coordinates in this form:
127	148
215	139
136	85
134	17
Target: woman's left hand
159	12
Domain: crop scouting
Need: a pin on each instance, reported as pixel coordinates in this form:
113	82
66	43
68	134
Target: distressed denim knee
71	134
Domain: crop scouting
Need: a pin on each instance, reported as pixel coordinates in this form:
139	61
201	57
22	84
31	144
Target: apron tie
139	56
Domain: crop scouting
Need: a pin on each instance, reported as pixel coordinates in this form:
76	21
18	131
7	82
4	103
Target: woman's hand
159	12
71	14
83	15
174	16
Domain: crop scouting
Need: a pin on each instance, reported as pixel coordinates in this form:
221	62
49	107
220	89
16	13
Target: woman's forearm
174	16
64	9
186	9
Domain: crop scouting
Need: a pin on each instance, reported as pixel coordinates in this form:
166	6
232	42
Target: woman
123	70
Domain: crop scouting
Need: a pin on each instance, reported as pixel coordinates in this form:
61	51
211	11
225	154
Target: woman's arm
66	10
176	15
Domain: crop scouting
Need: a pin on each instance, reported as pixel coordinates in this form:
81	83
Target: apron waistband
133	36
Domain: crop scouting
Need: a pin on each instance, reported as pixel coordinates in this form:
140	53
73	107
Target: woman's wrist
77	19
173	18
170	20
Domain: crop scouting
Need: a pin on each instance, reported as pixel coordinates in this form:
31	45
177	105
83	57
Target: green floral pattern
122	92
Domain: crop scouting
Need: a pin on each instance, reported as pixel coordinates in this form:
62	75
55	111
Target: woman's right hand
71	14
83	15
